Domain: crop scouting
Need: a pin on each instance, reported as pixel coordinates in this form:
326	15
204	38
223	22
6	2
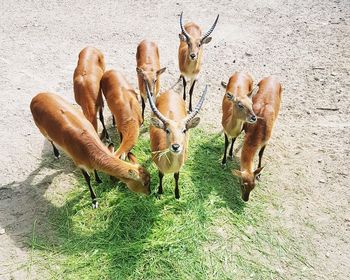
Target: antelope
190	53
148	70
67	127
237	108
123	103
86	81
168	133
266	105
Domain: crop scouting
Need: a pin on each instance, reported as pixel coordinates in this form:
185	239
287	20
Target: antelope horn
183	29
198	106
153	106
211	28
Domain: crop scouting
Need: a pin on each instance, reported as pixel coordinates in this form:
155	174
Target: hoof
231	157
57	157
223	165
258	177
177	197
94	205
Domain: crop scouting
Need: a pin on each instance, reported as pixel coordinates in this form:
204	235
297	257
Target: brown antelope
123	103
67	127
148	70
266	105
168	133
237	108
86	81
190	53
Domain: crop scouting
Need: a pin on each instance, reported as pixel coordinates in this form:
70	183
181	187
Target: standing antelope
148	69
266	105
168	133
123	103
190	53
67	127
237	108
86	80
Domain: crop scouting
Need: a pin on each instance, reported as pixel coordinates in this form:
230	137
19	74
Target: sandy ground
305	43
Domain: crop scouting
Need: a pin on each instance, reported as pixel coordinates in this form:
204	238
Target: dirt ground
305	43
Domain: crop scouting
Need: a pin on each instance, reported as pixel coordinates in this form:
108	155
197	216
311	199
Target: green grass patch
208	234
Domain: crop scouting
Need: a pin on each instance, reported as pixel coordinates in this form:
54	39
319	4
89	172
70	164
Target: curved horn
198	106
211	28
153	106
184	32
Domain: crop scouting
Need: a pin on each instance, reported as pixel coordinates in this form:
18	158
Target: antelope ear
230	96
111	148
253	92
206	40
257	171
193	123
237	173
132	174
182	37
161	71
157	123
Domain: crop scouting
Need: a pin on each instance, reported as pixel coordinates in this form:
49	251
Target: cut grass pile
208	234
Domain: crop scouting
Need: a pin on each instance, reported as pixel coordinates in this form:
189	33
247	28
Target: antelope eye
229	96
184	131
167	130
240	105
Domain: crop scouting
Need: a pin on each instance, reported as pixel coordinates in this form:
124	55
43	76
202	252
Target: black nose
175	147
192	55
253	118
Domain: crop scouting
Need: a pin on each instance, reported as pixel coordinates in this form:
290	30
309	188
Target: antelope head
195	44
138	178
151	78
176	131
244	106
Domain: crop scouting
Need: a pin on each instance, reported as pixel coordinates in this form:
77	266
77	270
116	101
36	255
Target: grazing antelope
266	105
123	103
168	133
237	108
67	127
148	70
190	53
86	80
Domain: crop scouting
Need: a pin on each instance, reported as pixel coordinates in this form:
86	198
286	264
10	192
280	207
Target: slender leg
230	154
184	84
143	109
104	132
121	137
113	120
92	193
191	92
97	178
225	151
177	192
160	188
55	151
261	152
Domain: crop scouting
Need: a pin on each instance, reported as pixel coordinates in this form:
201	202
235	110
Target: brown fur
122	101
86	81
266	106
239	85
190	68
172	106
67	127
147	58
